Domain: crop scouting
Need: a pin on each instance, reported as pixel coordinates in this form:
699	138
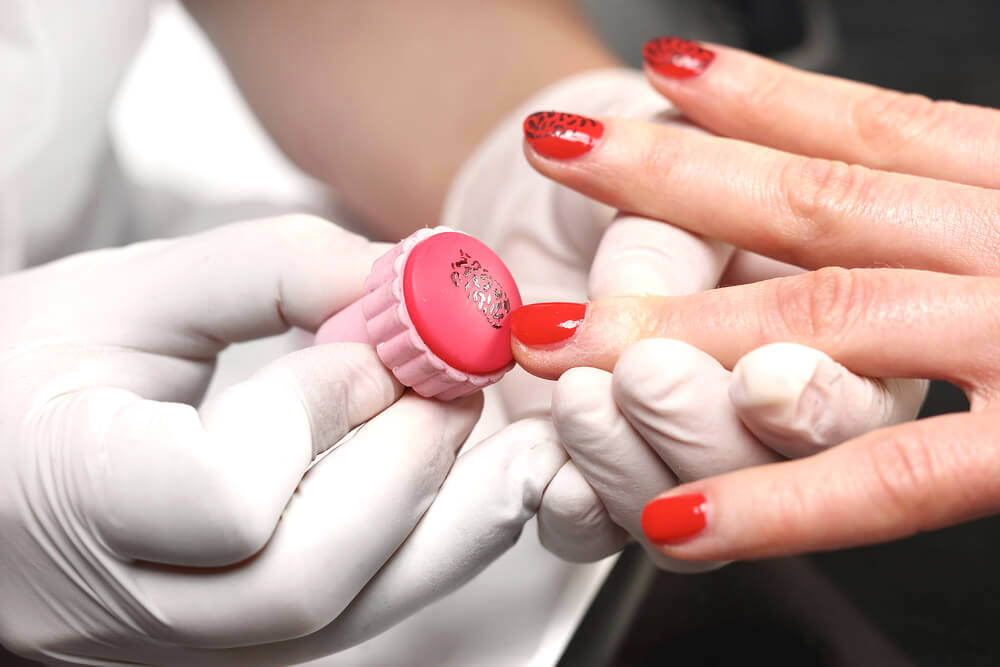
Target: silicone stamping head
456	292
437	308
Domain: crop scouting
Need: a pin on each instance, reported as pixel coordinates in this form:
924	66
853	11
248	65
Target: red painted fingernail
674	518
562	135
546	323
676	58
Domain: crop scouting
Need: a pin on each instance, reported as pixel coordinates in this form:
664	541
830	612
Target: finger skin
885	485
748	97
806	211
848	314
799	401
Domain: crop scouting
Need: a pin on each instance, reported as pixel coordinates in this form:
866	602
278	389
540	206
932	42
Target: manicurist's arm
382	99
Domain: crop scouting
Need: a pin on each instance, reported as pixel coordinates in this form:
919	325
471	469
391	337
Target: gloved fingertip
639	256
773	377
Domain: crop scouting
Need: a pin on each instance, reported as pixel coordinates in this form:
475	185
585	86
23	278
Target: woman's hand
918	194
140	528
560	244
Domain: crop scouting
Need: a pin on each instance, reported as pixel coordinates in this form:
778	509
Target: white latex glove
670	413
136	528
561	246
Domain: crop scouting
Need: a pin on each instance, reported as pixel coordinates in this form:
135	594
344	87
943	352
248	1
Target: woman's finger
799	401
736	94
810	212
877	322
885	485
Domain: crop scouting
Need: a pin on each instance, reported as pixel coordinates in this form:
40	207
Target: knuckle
365	378
237	526
513	469
903	471
817	193
576	506
983	229
633	371
886	121
581	403
791	503
248	532
816	306
579	537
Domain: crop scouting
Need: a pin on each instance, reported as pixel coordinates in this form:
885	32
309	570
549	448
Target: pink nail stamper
437	309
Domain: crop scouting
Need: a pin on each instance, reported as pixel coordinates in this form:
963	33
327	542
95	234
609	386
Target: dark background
933	599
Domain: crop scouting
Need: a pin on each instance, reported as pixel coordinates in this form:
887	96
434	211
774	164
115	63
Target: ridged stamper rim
396	340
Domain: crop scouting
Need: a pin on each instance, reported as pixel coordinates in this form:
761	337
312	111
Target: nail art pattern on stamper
481	288
677	58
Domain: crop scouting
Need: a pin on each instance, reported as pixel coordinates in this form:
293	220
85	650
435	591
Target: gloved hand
695	415
138	528
670	413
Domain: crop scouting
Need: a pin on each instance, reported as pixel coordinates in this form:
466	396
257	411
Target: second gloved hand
138	527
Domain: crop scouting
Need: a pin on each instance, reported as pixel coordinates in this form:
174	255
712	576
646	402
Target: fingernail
674	518
676	58
561	135
543	324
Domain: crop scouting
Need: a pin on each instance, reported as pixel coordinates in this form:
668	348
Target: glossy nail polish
561	135
676	58
674	518
542	324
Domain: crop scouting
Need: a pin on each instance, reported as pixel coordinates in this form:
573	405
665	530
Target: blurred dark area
932	599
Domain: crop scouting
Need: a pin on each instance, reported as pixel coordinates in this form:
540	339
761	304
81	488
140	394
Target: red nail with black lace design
676	58
561	135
